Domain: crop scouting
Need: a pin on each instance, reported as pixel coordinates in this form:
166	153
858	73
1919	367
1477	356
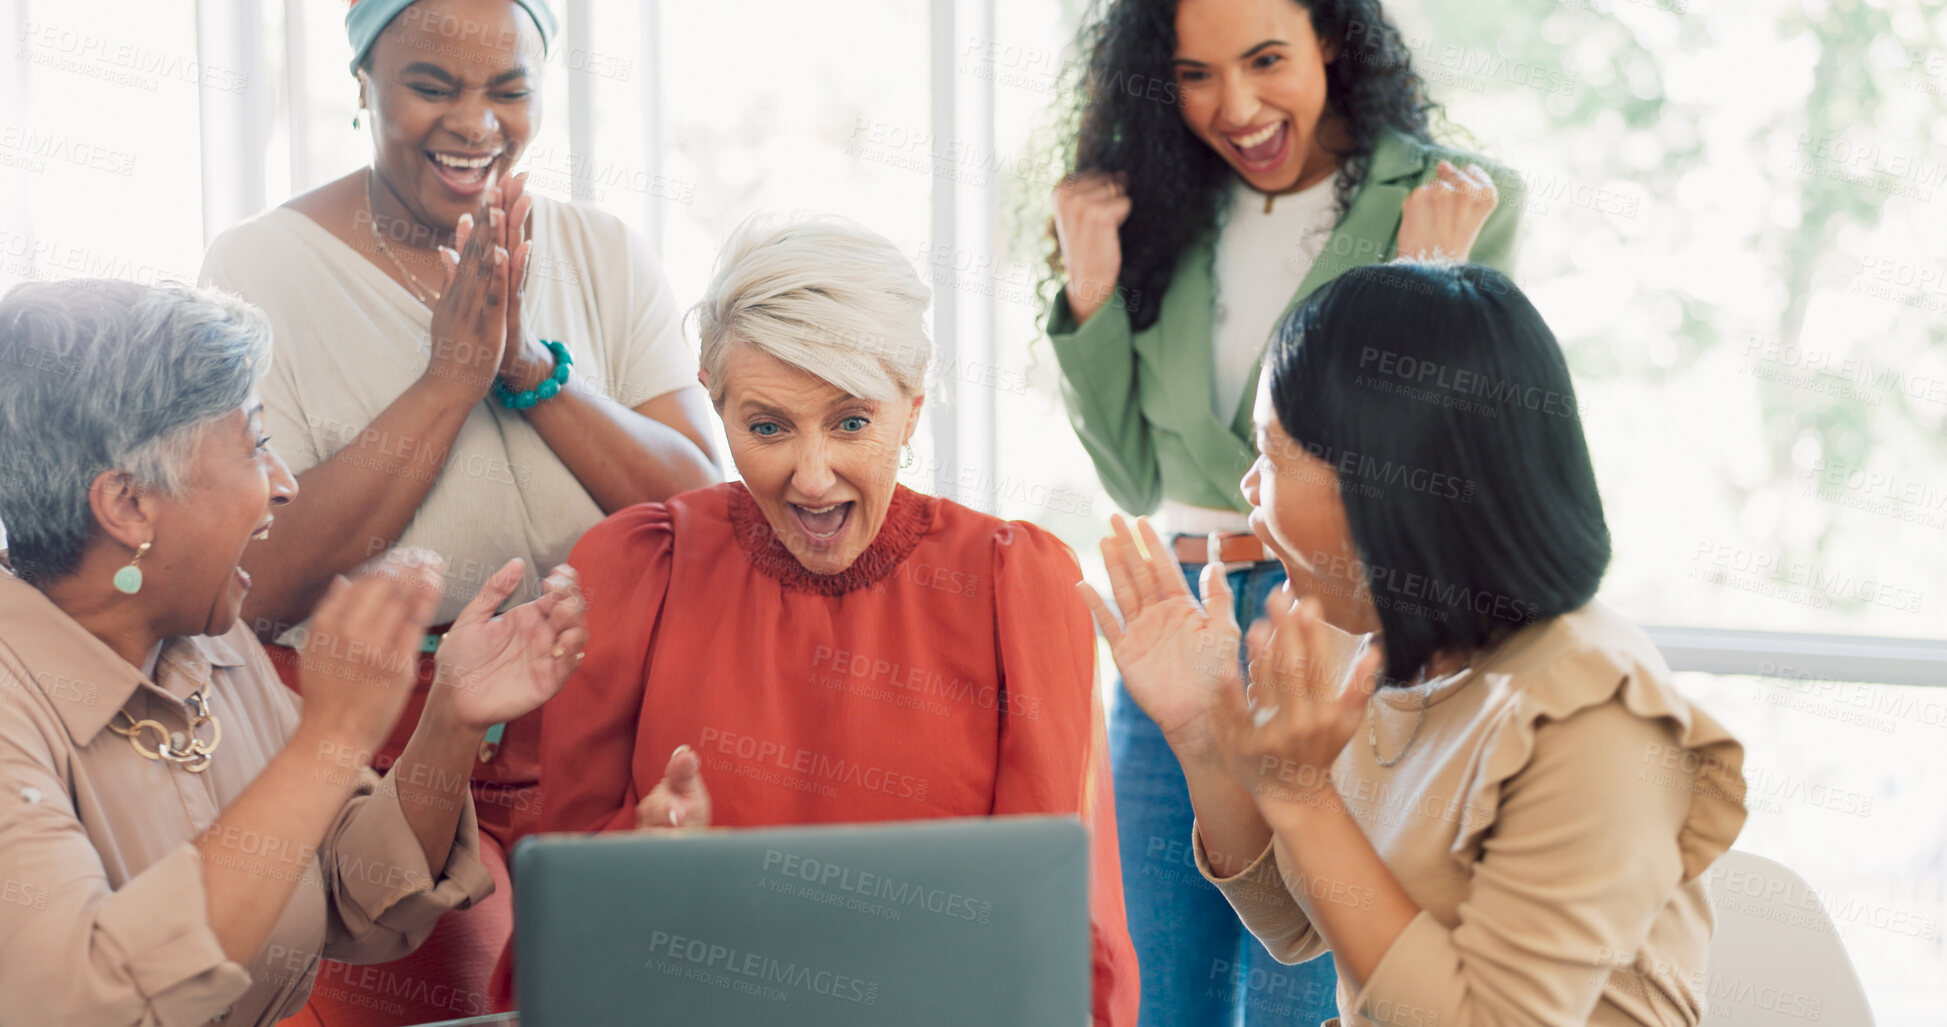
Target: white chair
1776	957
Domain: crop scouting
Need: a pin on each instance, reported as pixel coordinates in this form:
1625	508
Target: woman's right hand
361	654
1178	659
1089	211
679	800
469	331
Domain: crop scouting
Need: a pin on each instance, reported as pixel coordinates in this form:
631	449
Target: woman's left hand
1285	738
525	361
493	669
1442	218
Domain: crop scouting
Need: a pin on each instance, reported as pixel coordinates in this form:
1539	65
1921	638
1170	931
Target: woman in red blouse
817	643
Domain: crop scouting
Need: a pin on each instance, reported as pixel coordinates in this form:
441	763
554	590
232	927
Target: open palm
1178	660
497	667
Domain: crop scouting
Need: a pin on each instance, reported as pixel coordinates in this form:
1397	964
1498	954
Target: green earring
128	580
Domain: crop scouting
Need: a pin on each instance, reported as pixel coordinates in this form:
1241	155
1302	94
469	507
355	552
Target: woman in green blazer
1230	157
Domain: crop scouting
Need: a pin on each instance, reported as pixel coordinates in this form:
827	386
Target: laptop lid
978	921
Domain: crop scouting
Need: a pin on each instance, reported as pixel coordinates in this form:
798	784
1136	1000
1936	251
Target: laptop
979	921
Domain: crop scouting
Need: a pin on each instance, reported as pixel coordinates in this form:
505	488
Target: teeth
463	162
1246	142
822	509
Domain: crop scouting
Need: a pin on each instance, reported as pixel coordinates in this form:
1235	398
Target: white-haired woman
180	839
818	641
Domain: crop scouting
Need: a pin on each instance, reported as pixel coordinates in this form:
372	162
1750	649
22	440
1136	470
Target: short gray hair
825	295
99	375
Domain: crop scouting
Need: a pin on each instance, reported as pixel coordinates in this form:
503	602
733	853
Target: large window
1733	218
99	173
1733	221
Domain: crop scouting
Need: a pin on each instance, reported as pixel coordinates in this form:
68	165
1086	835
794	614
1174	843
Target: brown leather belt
1233	547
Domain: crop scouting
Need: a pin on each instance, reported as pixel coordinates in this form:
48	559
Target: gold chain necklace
419	289
190	753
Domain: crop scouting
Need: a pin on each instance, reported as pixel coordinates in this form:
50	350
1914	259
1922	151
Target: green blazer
1141	400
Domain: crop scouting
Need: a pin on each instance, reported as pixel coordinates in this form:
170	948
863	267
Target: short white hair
823	294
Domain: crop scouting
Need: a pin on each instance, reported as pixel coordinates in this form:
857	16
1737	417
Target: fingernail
675	816
681	749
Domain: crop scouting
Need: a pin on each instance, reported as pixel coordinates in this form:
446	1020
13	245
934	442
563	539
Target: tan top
103	918
1552	821
349	340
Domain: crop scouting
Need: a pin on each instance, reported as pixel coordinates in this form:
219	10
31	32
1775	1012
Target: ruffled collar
908	519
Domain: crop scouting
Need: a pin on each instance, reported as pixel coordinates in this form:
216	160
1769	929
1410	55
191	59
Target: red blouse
949	672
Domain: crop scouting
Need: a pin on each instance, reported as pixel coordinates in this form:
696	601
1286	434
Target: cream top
1552	820
1261	260
349	340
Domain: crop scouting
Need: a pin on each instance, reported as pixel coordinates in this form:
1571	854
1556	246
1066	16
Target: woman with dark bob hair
1498	811
1228	158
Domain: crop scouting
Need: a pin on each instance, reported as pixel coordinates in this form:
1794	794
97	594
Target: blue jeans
1200	967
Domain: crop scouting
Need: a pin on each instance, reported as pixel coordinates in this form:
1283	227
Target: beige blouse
1551	820
349	340
103	918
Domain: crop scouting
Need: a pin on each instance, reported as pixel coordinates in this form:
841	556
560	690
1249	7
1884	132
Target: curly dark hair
1126	119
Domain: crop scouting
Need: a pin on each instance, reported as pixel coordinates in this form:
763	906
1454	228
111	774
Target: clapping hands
495	667
1178	659
1302	707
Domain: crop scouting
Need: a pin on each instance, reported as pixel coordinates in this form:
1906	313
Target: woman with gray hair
897	656
180	837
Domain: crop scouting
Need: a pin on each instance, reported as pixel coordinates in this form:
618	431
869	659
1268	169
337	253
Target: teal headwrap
367	18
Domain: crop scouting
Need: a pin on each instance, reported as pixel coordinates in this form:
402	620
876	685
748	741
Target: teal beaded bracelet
549	387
